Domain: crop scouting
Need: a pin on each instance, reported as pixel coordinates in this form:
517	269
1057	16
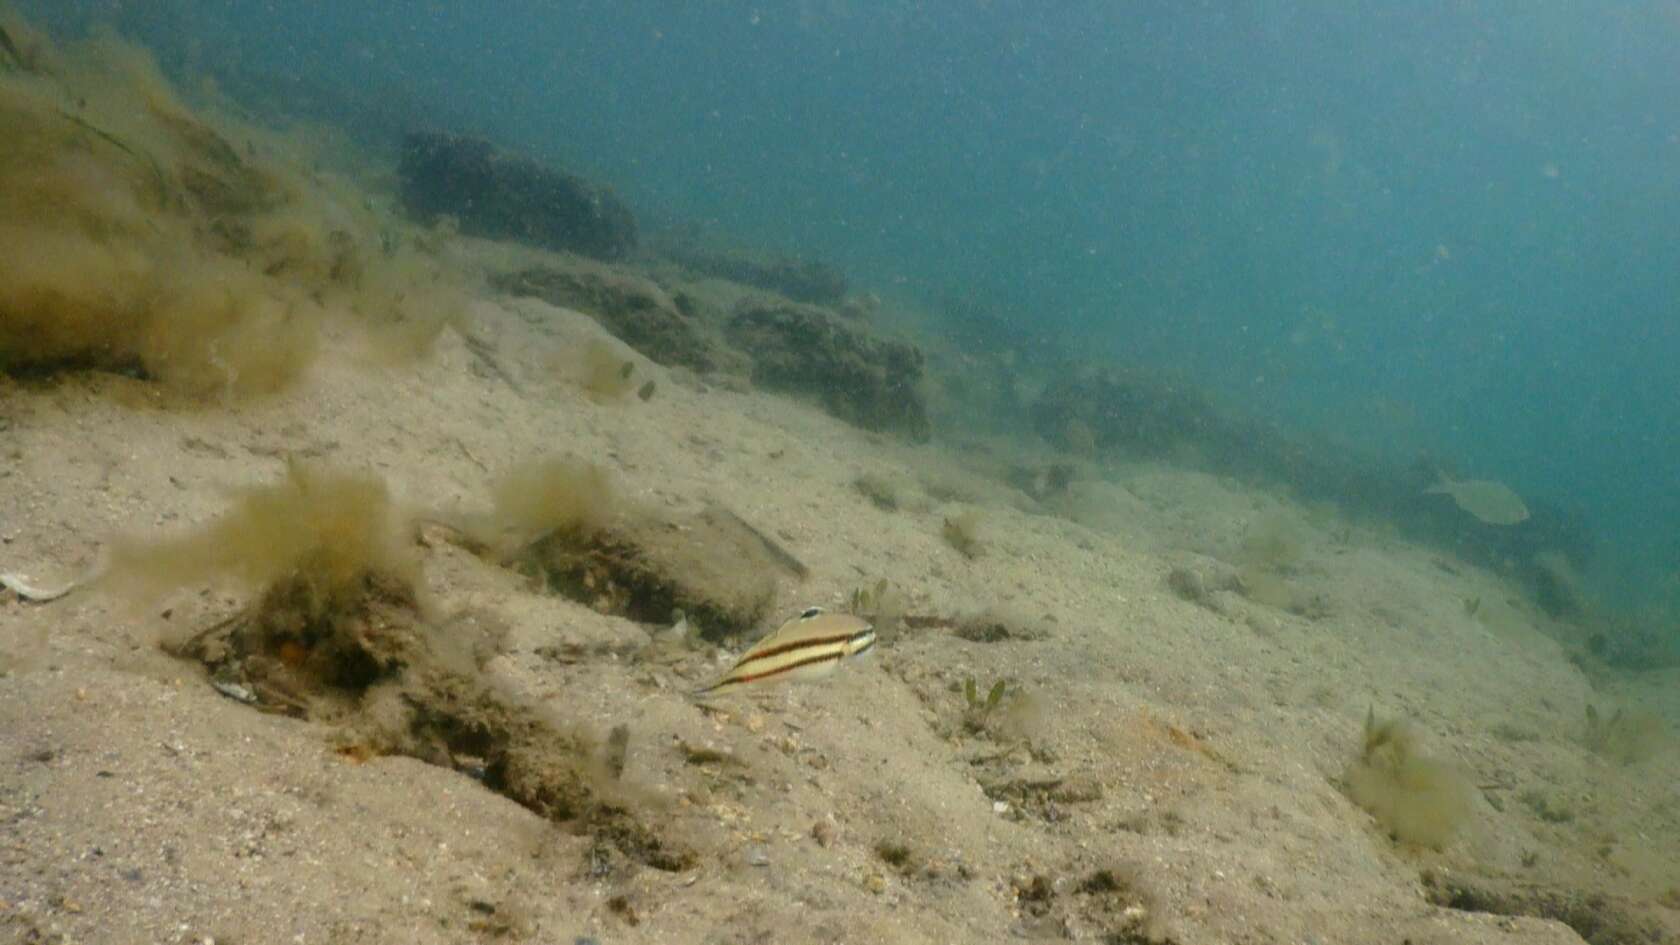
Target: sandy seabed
1161	769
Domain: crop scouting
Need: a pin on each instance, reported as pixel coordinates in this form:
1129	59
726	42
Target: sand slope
1169	772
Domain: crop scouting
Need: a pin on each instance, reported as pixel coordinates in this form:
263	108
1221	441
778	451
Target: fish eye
810	612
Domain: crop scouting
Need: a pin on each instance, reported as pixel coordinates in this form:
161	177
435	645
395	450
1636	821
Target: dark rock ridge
865	380
635	310
503	196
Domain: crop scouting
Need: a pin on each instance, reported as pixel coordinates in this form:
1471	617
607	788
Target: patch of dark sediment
389	682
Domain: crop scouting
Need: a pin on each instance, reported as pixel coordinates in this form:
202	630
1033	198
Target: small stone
1000	807
875	883
758	856
823	832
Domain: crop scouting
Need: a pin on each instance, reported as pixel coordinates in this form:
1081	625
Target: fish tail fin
711	689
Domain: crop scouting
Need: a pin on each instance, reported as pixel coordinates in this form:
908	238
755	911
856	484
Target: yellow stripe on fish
810	645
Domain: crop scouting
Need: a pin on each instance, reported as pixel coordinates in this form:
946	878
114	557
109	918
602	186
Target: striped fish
807	647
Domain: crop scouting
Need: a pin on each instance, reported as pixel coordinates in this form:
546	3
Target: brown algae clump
336	603
138	235
558	521
337	633
324	530
962	532
1418	799
541	497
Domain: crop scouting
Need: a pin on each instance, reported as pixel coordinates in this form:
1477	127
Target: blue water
1442	226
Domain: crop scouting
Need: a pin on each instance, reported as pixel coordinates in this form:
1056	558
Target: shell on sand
1492	503
22	586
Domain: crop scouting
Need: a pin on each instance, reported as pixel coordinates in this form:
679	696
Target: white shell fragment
236	692
22	586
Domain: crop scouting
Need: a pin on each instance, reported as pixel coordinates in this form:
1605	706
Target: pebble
758	856
823	832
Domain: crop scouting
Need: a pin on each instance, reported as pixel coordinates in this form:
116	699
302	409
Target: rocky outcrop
863	379
635	310
503	196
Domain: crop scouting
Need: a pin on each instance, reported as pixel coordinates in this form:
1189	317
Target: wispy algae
962	532
139	235
324	529
1417	798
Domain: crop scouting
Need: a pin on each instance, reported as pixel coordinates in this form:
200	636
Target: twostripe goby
808	646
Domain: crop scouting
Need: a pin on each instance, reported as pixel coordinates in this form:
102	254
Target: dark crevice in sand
1599	918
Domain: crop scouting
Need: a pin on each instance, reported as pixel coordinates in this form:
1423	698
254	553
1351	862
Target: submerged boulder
503	196
635	310
711	565
863	379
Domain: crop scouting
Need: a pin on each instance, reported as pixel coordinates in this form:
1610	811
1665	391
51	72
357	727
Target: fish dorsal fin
811	624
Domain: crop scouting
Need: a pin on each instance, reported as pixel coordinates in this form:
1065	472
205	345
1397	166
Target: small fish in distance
1492	503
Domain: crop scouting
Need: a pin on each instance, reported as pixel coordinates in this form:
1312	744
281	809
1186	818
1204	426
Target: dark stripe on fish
734	678
799	645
